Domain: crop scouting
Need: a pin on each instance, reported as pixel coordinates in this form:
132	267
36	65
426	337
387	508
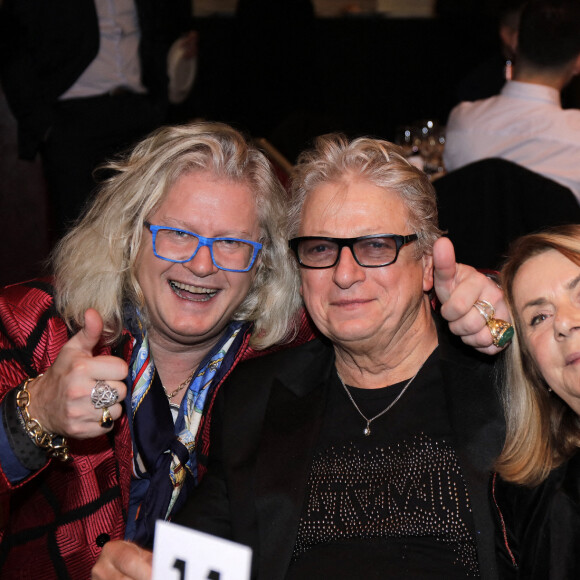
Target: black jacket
539	528
271	412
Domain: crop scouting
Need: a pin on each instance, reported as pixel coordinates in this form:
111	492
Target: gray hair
94	264
335	159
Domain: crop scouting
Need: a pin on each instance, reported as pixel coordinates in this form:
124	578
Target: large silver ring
103	395
486	309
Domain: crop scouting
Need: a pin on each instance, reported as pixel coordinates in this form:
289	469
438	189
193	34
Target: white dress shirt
117	62
525	124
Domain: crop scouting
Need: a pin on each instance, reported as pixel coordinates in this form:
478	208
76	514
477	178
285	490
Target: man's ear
509	39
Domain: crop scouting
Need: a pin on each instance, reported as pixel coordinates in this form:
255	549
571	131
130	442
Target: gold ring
501	331
106	419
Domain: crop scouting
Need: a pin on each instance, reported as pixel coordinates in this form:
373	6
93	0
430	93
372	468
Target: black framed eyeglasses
230	254
372	251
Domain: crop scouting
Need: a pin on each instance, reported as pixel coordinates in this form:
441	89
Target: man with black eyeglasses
365	453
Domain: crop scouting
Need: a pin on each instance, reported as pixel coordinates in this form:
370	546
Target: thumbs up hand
60	400
458	287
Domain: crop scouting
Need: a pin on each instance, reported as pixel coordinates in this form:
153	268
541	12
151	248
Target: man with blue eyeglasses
231	254
108	371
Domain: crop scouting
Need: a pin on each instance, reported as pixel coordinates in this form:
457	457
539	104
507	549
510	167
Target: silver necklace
367	429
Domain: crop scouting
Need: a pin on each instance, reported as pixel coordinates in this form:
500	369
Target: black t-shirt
393	504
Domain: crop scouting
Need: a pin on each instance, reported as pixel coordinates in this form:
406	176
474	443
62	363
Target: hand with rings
501	331
80	395
103	397
458	288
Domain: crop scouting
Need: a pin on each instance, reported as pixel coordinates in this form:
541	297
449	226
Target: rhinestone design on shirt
411	489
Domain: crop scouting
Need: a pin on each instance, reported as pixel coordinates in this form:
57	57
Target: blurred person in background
488	78
525	123
85	79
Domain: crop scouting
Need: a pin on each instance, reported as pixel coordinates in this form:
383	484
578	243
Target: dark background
274	70
288	79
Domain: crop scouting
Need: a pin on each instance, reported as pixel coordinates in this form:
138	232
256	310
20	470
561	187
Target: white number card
180	553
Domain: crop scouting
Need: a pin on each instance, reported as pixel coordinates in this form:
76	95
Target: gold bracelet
40	437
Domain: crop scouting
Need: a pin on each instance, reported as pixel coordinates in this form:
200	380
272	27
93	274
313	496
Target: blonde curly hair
94	264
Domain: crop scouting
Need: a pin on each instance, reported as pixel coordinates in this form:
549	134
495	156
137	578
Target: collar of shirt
531	92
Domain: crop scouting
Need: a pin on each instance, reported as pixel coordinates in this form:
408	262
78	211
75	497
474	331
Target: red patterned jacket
54	523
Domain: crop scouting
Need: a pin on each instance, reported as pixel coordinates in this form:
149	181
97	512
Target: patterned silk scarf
165	452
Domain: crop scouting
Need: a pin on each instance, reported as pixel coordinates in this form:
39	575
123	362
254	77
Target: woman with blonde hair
538	497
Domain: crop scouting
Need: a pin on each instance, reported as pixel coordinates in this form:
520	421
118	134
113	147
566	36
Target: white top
117	62
525	124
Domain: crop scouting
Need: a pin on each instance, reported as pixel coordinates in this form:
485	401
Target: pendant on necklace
367	430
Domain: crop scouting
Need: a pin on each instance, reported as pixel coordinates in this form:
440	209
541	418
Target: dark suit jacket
270	416
539	528
45	46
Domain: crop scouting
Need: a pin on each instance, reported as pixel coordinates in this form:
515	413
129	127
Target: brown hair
542	430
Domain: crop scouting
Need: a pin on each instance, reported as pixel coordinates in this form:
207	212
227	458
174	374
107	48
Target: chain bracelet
48	441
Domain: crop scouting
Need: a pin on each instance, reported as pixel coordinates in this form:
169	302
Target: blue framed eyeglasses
230	254
372	251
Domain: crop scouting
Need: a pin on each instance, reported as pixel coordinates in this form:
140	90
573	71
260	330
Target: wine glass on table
407	137
431	146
